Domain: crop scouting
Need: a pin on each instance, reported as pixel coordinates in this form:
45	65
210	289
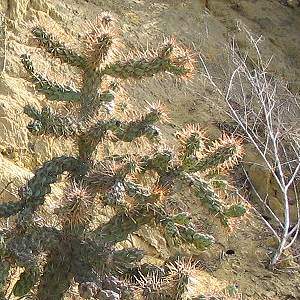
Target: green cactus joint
4	273
46	122
52	90
71	244
235	211
26	281
56	48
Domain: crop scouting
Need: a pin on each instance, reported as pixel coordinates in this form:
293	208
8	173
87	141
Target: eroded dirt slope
206	31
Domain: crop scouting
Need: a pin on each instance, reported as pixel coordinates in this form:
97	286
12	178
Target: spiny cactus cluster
74	249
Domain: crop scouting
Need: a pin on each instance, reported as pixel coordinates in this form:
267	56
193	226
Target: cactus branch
223	154
46	122
89	140
58	49
56	279
4	277
53	91
27	280
123	224
148	66
39	186
186	233
91	80
205	193
99	46
10	208
128	131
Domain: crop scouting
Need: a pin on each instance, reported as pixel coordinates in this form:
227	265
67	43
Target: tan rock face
12	178
2	42
266	186
155	239
17	9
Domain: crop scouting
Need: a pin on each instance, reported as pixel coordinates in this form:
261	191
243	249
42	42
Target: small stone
88	290
271	295
108	295
293	3
271	242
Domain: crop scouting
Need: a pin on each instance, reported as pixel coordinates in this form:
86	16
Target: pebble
293	3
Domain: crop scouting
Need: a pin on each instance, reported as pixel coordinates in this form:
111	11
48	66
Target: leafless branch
267	112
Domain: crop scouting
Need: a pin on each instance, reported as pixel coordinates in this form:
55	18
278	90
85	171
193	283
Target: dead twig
267	112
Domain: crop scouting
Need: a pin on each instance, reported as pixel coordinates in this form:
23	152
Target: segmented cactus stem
56	278
57	49
10	208
47	122
52	90
39	186
27	280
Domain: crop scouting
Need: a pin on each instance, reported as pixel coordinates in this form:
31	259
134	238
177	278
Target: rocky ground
207	31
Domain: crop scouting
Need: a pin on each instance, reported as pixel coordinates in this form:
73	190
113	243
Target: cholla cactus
168	282
74	248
